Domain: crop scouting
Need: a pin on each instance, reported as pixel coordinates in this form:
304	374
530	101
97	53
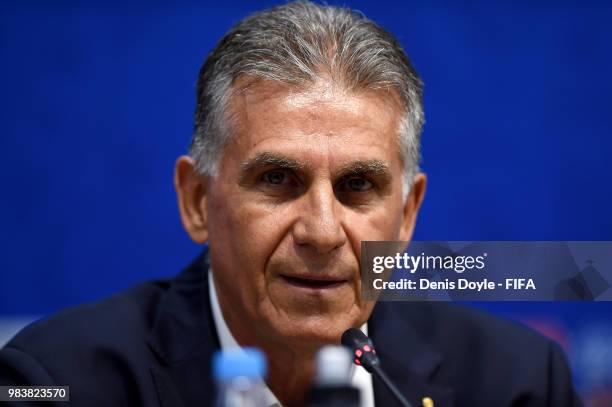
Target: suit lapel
184	340
408	360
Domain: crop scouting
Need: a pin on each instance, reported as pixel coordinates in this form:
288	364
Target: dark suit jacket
152	346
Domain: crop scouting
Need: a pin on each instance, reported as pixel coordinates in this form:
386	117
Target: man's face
308	175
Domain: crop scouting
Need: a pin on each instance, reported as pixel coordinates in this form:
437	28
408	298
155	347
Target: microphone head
353	338
361	348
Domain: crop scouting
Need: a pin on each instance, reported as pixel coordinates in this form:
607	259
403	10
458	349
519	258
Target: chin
313	332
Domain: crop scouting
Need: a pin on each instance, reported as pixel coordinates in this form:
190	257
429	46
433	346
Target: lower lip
304	285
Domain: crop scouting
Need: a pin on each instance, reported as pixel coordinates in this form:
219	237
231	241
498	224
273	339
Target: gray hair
297	43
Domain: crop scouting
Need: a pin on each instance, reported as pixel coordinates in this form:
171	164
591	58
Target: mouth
313	283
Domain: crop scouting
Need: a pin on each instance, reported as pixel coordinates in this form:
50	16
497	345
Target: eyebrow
374	168
267	159
370	167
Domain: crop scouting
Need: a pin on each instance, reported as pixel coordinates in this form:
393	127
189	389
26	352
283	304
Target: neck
290	376
291	368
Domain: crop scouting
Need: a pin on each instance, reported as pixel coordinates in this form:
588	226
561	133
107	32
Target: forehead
322	118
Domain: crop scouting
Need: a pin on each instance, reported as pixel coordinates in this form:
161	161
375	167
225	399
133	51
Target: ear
412	205
191	189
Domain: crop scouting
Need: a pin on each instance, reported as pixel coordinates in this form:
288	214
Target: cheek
238	253
244	234
382	223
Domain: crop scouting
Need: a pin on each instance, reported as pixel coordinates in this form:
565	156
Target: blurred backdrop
96	103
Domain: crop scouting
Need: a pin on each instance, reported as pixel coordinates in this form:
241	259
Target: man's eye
358	184
275	177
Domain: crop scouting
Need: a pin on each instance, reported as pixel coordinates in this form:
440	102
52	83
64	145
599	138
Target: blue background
97	100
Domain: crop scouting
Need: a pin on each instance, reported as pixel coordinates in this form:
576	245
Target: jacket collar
184	340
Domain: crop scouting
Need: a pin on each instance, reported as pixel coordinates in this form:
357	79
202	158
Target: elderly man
306	143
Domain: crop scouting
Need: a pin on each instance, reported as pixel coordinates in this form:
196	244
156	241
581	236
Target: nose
319	223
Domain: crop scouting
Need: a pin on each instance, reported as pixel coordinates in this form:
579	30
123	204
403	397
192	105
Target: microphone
364	354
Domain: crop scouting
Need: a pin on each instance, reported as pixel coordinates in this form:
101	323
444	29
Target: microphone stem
385	379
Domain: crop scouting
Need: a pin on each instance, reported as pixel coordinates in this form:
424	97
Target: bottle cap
333	366
242	362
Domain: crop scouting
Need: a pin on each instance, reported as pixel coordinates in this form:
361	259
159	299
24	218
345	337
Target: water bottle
239	375
332	385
